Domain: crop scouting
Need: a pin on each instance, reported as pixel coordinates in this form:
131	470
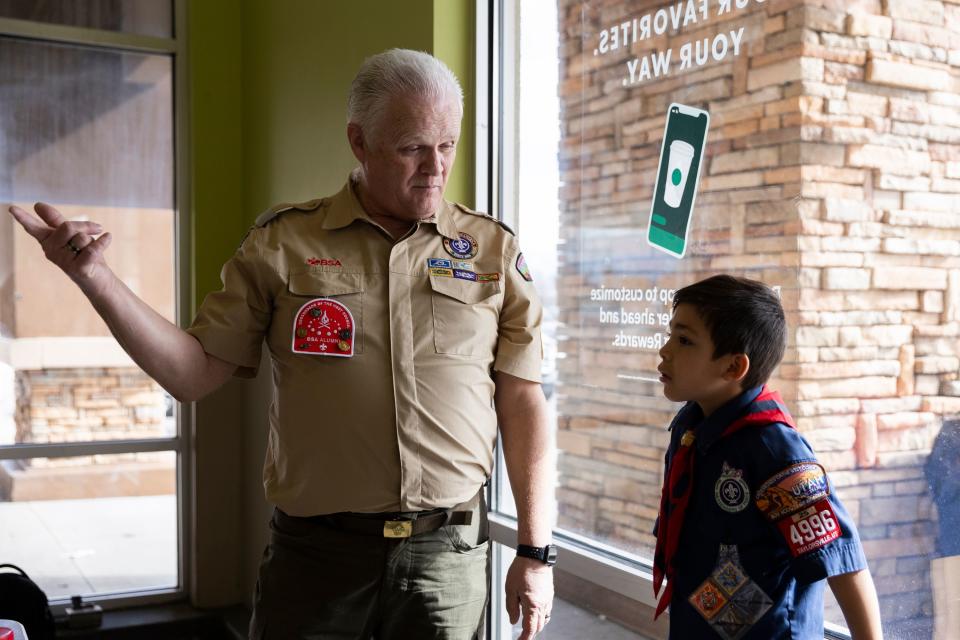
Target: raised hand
69	244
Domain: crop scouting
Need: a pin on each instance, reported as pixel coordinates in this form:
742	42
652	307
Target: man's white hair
393	74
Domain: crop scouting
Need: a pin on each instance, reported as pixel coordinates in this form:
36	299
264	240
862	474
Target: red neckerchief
767	408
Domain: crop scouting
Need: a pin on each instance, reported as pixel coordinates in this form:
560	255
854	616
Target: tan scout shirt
406	423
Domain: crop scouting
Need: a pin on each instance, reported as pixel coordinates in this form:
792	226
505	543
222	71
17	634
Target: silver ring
71	246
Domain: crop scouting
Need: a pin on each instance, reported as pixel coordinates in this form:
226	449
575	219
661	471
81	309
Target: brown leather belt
398	525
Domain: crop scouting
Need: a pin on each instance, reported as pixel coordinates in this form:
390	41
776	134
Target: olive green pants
317	582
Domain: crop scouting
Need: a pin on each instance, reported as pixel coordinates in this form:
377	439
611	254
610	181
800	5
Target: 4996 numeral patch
810	528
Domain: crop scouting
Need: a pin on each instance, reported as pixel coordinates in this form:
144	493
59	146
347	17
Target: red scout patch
810	528
323	262
323	327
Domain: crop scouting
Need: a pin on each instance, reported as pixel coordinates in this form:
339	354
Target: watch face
551	554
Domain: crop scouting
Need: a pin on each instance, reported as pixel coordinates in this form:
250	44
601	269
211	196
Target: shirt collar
345	207
710	429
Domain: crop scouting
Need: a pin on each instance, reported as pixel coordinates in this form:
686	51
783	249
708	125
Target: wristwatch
547	555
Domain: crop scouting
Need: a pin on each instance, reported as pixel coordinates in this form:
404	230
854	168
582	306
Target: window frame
175	47
497	133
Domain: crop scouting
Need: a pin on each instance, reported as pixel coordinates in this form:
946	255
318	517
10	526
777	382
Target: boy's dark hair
743	316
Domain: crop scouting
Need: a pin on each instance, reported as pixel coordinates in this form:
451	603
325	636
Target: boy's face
689	372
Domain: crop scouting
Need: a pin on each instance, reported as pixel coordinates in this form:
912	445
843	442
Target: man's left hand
529	589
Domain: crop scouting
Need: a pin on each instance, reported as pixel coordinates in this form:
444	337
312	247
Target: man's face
407	162
689	372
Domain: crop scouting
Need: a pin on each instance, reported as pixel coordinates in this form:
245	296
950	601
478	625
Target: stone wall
833	171
84	405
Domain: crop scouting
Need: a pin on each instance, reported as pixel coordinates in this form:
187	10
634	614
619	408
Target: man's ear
357	143
737	369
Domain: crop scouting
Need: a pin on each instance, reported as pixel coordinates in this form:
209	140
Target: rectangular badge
466	266
436	271
810	529
440	263
464	275
488	277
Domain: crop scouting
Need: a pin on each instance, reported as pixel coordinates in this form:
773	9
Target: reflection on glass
142	17
831	172
90	131
93	524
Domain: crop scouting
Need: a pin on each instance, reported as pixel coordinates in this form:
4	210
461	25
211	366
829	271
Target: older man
402	330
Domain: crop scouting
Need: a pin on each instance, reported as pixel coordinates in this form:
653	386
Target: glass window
142	17
89	130
816	149
80	525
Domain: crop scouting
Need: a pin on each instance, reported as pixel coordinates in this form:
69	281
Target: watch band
547	555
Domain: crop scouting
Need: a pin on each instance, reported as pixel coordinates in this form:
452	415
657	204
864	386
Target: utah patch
792	489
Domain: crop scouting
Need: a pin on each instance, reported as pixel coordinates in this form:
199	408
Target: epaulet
487	216
264	218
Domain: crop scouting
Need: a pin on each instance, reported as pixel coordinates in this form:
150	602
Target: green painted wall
268	86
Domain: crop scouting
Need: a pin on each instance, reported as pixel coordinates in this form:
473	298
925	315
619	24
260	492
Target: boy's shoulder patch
796	500
791	489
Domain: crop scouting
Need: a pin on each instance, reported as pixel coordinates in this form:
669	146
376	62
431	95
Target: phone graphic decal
678	176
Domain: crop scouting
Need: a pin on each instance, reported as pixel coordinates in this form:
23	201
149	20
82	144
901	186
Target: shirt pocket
465	316
344	288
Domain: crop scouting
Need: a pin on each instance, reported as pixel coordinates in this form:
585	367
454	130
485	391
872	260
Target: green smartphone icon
678	176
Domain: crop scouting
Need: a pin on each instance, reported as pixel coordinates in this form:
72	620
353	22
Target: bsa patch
323	262
323	327
488	277
440	263
792	489
729	601
810	528
464	275
437	271
463	248
730	491
523	268
460	264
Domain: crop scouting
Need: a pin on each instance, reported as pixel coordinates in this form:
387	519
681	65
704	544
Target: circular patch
464	247
323	327
731	492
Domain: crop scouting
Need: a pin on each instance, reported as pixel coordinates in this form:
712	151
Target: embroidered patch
464	275
523	268
810	528
437	271
323	262
728	599
323	327
792	489
460	264
731	491
464	247
488	277
440	263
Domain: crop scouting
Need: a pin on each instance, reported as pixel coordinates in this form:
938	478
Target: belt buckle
398	528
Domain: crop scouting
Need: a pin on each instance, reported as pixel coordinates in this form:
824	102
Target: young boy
749	525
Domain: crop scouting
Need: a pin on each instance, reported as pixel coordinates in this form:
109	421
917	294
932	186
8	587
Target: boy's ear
738	367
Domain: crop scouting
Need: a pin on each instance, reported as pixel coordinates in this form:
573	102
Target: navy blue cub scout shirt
762	530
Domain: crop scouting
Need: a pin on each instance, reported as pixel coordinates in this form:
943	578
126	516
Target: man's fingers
31	225
70	231
513	607
48	214
531	624
95	248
